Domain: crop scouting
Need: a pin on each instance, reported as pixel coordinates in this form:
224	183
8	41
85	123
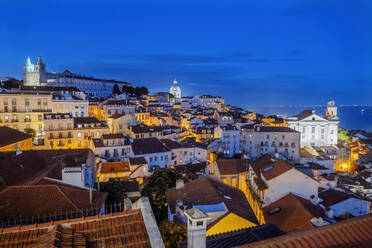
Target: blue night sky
249	52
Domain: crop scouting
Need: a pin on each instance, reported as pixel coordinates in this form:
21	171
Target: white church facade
175	90
317	130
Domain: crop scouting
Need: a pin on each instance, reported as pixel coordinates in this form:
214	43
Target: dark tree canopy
116	90
172	233
11	83
137	92
159	182
30	132
115	190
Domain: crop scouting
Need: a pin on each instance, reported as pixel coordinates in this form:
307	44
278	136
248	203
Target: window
27	109
79	134
312	129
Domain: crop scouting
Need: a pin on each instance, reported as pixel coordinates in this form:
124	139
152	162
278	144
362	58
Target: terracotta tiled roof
304	114
30	166
123	229
38	200
113	167
207	191
291	213
351	233
275	169
10	136
331	197
116	116
232	166
149	145
113	136
137	161
260	162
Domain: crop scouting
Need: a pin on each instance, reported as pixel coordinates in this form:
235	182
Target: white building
317	130
34	74
228	141
117	106
175	90
273	179
207	101
112	147
185	153
277	141
155	152
67	103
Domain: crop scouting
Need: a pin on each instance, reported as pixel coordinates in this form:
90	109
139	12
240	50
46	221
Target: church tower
331	110
34	74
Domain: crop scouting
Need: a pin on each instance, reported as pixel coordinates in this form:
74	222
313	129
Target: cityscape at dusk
174	124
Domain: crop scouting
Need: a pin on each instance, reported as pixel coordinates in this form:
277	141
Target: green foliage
30	132
115	190
137	92
172	233
343	136
11	83
159	182
116	90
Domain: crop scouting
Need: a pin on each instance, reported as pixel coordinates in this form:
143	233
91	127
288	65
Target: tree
172	233
30	132
126	89
115	190
159	182
11	83
344	136
116	90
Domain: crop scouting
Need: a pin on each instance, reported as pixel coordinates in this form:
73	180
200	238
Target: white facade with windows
317	130
229	140
277	141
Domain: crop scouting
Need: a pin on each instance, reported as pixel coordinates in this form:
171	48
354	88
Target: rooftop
10	136
122	229
351	233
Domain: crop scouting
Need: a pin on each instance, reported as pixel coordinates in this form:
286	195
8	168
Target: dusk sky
249	52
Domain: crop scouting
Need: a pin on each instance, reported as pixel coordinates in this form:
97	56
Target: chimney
179	184
329	213
314	200
90	195
196	228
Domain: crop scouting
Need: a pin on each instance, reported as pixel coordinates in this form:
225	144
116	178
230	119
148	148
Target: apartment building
23	111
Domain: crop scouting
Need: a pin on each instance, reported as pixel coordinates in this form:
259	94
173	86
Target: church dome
175	90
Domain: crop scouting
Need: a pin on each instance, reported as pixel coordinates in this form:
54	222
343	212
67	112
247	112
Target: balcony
15	120
27	120
41	110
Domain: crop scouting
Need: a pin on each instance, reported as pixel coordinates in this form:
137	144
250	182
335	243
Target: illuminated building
175	90
317	130
13	140
259	140
34	74
62	131
226	206
24	111
112	147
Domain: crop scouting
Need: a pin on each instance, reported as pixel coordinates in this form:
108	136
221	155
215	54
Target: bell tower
34	74
331	109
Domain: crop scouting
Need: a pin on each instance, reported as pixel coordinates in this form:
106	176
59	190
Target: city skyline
287	54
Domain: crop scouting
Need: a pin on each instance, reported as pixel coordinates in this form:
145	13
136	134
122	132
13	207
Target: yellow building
226	206
274	122
95	110
234	172
13	140
24	111
62	131
113	170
